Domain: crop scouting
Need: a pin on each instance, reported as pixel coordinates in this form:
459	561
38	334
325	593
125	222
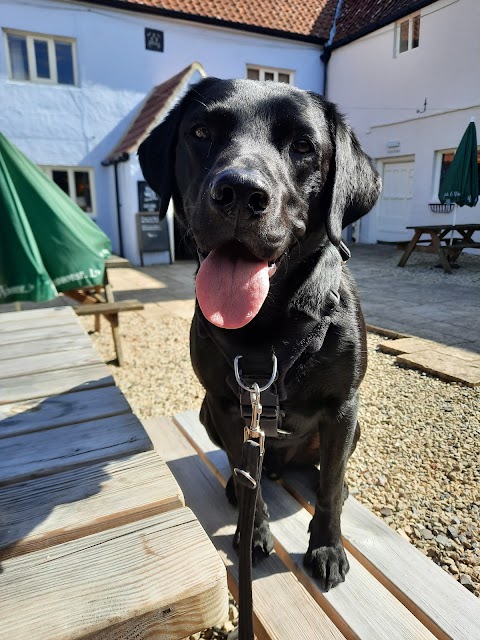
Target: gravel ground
416	465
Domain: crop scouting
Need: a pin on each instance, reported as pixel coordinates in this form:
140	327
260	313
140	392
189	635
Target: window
37	58
77	182
446	161
274	75
407	33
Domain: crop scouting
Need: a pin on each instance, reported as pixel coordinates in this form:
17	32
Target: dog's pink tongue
231	287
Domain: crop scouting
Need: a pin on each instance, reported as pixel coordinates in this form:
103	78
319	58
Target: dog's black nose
243	189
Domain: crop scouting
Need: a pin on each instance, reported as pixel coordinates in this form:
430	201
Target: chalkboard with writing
152	234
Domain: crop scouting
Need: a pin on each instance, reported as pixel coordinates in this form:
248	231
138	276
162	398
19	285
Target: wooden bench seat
392	589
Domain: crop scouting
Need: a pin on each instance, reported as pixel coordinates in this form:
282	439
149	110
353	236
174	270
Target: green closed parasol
47	243
460	184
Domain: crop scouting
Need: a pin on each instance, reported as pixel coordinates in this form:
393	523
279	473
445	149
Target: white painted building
410	89
74	74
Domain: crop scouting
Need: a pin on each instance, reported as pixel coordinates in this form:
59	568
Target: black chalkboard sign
147	198
152	234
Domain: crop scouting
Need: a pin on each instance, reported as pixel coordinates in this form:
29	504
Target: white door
395	202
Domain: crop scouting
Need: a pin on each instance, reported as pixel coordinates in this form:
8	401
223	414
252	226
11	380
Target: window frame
275	70
70	170
398	28
30	37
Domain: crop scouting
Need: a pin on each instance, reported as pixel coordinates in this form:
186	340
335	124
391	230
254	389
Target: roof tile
157	100
360	16
312	18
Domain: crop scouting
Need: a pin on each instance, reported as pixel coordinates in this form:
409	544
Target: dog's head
255	169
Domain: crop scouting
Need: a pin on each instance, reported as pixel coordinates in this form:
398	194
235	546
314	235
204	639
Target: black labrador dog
264	177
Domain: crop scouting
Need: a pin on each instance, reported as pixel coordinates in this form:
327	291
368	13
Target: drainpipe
325	57
106	163
327	47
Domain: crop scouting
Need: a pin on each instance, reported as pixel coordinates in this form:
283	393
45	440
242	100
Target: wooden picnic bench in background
392	591
95	539
99	301
439	240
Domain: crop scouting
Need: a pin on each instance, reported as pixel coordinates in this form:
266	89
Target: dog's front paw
329	565
262	542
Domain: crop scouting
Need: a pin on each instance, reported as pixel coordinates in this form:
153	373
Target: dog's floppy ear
356	184
157	157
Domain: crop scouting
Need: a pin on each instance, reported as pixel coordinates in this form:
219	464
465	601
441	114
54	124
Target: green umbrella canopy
460	184
47	243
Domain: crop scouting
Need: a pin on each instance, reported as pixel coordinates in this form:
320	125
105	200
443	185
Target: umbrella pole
454	221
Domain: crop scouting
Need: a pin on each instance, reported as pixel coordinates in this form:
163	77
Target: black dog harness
261	391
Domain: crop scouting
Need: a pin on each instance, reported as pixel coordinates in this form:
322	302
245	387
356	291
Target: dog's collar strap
344	251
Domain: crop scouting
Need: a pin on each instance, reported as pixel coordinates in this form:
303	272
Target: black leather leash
248	483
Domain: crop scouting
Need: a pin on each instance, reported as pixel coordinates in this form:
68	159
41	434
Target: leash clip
254	431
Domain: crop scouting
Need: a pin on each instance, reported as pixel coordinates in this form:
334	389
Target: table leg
441	253
113	320
409	248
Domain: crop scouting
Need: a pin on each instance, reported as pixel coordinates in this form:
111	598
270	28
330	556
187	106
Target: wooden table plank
42	453
32	315
59	410
11	351
48	383
17	321
34	333
49	362
277	593
47	511
361	603
20	323
134	581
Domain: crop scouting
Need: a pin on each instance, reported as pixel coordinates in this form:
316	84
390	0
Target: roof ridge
157	102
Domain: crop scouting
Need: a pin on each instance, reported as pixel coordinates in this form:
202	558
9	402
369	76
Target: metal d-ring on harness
248	481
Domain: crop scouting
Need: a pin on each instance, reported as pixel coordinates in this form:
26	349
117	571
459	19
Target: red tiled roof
305	19
158	100
358	17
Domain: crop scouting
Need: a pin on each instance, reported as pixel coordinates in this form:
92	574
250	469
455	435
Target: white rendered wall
380	95
60	125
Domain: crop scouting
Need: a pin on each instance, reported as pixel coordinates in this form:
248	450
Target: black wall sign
147	198
153	40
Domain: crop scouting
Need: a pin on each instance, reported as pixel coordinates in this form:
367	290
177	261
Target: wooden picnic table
95	538
99	301
441	239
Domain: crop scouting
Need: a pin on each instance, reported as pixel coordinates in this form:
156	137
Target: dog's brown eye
302	146
200	132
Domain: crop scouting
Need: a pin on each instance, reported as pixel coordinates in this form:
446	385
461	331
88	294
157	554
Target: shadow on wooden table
69	467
